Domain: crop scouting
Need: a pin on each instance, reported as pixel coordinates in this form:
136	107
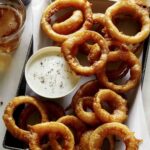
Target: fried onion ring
135	71
10	122
79	38
98	19
85	90
117	45
70	25
84	141
118	129
39	130
117	102
83	5
141	3
132	9
25	114
87	117
95	52
74	123
53	111
122	69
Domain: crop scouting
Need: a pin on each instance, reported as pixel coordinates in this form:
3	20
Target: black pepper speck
1	103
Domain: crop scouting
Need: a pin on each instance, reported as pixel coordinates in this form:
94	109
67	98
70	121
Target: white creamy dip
49	75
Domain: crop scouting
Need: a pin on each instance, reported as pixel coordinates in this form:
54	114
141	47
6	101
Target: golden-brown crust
52	109
10	122
84	141
118	129
85	90
76	124
119	105
133	9
69	25
79	38
83	5
88	117
48	128
98	19
135	71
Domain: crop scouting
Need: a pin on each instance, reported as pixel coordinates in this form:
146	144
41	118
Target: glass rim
22	25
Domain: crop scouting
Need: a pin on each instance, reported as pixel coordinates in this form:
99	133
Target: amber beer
12	20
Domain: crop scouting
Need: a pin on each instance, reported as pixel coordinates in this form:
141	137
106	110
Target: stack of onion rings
99	115
85	90
79	38
111	46
87	117
55	130
82	5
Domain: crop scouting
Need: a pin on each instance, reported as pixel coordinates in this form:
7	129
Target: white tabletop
10	81
146	90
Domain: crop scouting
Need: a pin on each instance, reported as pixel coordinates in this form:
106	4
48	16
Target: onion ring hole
127	23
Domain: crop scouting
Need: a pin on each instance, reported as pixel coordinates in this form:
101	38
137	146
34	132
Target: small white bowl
48	74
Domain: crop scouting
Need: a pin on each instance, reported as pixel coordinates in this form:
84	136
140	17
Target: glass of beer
12	20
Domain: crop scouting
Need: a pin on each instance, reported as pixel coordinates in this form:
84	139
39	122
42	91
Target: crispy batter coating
118	129
82	5
85	90
115	100
84	141
10	122
71	24
79	38
76	126
47	128
87	117
135	71
52	109
131	8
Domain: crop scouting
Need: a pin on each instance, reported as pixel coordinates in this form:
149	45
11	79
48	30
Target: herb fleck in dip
50	76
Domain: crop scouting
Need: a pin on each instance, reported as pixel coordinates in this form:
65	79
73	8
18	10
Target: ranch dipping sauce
49	75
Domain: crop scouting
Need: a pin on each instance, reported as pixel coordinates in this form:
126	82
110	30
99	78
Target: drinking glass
12	20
